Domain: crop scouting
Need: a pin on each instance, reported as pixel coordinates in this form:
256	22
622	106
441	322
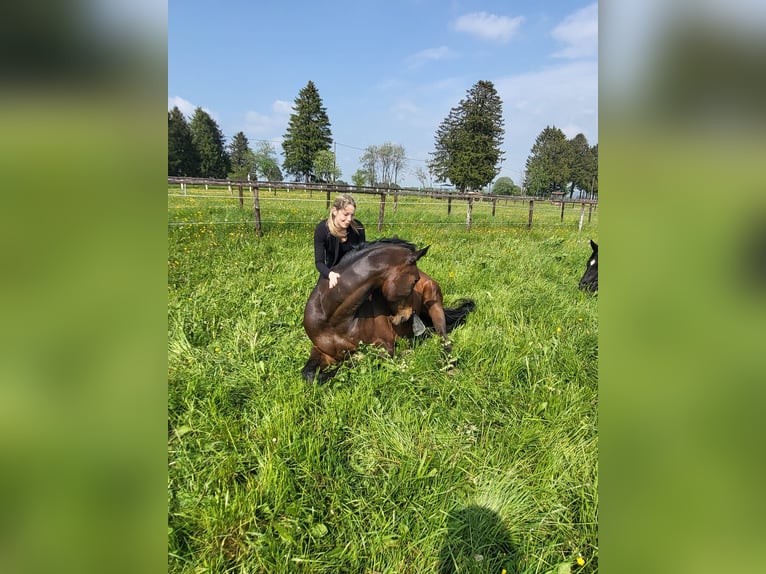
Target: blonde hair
341	202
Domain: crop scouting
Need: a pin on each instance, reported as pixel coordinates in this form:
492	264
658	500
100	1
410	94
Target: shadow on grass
477	541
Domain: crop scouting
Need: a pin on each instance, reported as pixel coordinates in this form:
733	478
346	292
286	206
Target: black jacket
328	249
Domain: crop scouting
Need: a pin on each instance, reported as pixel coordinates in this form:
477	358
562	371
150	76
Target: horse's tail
456	315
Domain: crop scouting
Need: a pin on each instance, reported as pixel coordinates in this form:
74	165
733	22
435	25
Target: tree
183	159
241	157
548	165
383	163
505	186
325	168
422	176
581	164
265	162
593	187
308	132
467	143
209	141
360	177
369	161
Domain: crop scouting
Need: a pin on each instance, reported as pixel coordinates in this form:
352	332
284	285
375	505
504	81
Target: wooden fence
470	198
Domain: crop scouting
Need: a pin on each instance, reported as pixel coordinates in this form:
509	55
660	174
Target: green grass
484	461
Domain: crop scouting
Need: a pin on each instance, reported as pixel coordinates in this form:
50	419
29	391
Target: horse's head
589	280
399	283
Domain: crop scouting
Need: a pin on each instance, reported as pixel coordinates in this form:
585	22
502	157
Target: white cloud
269	126
578	33
186	107
488	26
565	97
405	109
282	107
428	55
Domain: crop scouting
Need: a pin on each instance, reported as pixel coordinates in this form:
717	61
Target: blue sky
386	71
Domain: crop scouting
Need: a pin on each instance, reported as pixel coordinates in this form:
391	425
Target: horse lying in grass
589	280
373	303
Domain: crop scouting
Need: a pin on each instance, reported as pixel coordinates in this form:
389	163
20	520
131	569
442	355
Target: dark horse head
589	281
372	299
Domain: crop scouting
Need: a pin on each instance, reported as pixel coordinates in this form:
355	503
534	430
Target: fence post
241	197
590	210
531	209
449	204
256	211
494	204
582	214
382	211
562	208
327	202
468	214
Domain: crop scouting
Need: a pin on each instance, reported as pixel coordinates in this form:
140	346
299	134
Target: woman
336	236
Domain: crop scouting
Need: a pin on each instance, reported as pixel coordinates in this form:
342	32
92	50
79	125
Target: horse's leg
310	368
430	299
436	313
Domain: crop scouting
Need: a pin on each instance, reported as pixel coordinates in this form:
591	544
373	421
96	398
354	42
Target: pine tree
209	141
581	170
183	159
240	156
548	165
308	132
467	143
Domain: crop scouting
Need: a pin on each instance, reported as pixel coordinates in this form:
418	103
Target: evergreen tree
183	159
593	187
209	141
581	165
548	165
308	132
241	157
467	143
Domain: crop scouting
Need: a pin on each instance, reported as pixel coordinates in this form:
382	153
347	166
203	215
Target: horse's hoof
308	377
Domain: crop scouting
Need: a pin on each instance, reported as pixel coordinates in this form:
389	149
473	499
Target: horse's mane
360	250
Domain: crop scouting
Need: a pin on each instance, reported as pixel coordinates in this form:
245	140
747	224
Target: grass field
483	461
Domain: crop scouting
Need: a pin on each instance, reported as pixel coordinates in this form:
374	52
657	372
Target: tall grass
477	462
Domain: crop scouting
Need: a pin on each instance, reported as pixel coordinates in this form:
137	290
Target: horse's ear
594	245
418	254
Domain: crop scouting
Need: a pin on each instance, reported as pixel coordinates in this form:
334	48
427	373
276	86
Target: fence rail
470	198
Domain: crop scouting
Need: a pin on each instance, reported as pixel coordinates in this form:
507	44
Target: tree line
466	153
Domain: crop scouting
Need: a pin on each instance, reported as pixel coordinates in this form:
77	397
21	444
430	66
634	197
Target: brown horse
428	305
373	303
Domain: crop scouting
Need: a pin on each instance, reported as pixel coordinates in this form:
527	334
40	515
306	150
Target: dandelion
218	349
580	561
274	439
558	329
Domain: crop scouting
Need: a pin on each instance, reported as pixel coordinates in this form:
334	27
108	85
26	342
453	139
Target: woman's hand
333	277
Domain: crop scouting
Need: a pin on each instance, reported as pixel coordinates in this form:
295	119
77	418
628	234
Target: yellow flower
580	561
558	329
